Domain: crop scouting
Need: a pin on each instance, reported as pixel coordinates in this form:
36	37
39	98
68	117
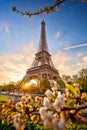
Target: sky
66	32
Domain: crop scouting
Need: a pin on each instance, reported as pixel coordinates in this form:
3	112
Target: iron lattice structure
42	66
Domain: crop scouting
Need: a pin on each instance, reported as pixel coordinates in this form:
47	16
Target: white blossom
60	96
46	102
17	117
76	85
23	98
48	124
18	105
43	112
43	117
61	124
54	88
57	104
16	121
49	93
49	115
55	122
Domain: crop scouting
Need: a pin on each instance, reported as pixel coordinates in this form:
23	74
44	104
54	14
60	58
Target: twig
46	9
78	108
81	118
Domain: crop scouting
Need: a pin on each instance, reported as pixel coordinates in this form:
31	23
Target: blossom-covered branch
59	107
46	9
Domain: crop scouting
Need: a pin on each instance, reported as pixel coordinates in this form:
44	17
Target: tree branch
46	10
78	108
81	118
75	116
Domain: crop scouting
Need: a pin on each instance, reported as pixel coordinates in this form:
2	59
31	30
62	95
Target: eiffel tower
42	66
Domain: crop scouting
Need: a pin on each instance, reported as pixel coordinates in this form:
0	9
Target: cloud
84	59
67	65
4	27
3	75
77	64
58	34
75	46
13	66
79	54
61	62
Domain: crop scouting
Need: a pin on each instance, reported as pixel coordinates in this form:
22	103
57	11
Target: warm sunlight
33	81
43	64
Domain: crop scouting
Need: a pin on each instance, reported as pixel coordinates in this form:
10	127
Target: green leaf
71	88
70	103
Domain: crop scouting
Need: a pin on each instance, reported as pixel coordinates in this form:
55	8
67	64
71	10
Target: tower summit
42	66
43	41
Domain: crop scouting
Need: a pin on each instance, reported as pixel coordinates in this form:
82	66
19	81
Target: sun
33	81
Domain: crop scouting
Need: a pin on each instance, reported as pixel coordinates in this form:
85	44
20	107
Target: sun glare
31	82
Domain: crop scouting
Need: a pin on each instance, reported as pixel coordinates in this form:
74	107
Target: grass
3	100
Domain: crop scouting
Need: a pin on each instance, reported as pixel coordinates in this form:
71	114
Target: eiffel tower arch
42	66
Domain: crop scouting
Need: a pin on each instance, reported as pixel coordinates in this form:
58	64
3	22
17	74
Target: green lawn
3	100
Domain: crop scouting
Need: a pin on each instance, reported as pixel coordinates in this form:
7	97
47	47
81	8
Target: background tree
44	85
83	74
80	78
66	78
8	87
60	83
